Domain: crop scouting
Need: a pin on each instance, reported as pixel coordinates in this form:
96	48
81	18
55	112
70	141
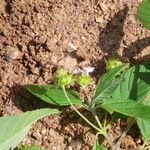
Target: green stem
97	134
100	131
96	118
108	139
145	147
105	119
83	117
86	100
101	127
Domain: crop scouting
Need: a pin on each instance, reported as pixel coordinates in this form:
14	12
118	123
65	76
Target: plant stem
117	146
108	139
86	100
101	127
96	118
96	137
145	147
87	121
83	117
105	119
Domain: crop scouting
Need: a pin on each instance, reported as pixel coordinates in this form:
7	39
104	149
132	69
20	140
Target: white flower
85	70
88	69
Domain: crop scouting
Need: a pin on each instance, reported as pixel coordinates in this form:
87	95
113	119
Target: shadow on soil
137	47
74	126
111	36
110	39
25	101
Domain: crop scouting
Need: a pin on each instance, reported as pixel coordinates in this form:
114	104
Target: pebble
83	38
112	7
35	71
43	131
99	19
12	53
72	46
104	7
70	148
39	16
36	135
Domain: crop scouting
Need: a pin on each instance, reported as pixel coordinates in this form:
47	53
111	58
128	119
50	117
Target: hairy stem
100	131
96	118
101	127
105	119
143	146
147	147
83	117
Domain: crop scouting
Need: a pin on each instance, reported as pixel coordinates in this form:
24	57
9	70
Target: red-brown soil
36	36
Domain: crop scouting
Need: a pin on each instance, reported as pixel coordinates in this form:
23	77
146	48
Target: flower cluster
63	78
112	63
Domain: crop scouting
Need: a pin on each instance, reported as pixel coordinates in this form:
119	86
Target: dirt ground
36	36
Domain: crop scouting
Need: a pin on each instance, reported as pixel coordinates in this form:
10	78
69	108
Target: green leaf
136	83
108	83
127	107
115	116
135	87
14	128
52	94
26	147
143	13
97	146
144	125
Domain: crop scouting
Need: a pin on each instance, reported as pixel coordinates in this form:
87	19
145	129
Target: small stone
83	38
42	39
36	135
70	148
106	17
12	53
68	63
43	131
104	7
39	16
54	59
72	46
39	80
99	19
35	71
112	7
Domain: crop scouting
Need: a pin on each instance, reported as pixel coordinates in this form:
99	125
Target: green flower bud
65	80
60	73
112	63
62	77
83	80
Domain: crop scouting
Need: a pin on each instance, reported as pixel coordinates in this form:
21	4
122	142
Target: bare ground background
36	36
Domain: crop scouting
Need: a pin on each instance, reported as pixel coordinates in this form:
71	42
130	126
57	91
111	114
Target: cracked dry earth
36	36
